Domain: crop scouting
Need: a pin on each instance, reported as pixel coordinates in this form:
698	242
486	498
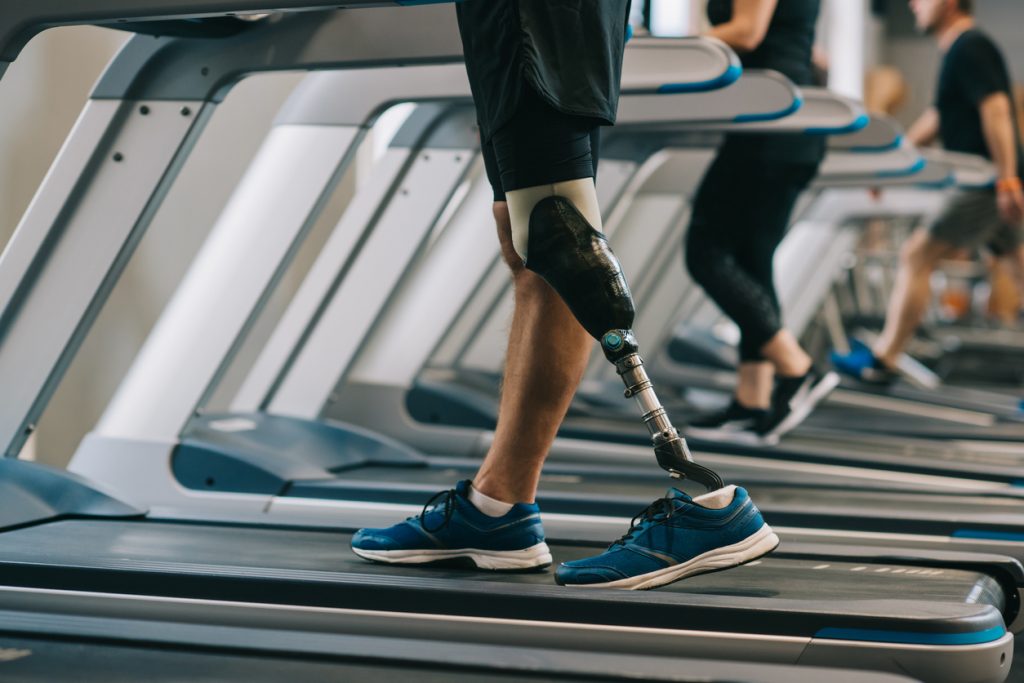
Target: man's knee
922	252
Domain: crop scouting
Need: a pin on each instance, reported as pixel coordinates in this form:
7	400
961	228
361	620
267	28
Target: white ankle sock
487	505
717	500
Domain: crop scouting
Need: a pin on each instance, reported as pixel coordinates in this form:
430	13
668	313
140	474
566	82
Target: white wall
42	93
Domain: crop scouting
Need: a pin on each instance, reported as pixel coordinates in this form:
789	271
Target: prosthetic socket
576	261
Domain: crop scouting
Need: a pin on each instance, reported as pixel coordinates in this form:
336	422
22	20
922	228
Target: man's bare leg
547	354
1015	263
918	259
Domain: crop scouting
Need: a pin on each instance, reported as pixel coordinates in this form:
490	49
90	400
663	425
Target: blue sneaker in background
452	528
672	539
860	363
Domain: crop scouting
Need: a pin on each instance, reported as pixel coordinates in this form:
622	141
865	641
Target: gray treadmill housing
882	133
175	69
151	144
21	20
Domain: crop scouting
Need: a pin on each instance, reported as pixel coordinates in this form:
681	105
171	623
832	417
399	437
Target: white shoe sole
754	546
534	557
825	387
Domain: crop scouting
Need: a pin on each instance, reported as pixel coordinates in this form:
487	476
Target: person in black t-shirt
544	75
741	213
973	113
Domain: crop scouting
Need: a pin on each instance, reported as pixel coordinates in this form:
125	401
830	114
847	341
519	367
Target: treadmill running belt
624	493
783	597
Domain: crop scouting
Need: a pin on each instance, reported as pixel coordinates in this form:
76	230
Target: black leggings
540	146
740	215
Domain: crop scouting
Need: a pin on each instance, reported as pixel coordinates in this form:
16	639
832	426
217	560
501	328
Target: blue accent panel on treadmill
912	637
448	403
31	493
858	124
265	454
918	166
629	32
731	75
988	535
793	108
948	181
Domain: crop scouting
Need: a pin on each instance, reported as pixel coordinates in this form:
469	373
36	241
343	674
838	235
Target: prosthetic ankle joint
576	261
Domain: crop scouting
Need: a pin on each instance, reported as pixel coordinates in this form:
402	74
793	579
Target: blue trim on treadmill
947	182
988	535
857	125
912	637
731	75
918	166
896	143
793	108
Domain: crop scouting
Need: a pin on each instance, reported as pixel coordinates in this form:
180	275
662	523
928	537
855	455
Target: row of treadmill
315	374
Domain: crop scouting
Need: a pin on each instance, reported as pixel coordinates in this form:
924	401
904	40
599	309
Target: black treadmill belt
839	417
790	597
827	438
821	446
626	492
840	445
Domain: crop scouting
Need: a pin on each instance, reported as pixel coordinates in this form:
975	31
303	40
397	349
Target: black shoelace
445	498
662	506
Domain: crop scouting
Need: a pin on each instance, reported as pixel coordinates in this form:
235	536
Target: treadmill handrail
882	133
21	20
822	112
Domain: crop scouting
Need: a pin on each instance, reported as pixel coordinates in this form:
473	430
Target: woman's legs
741	214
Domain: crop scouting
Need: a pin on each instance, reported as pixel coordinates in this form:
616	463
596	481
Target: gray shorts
970	219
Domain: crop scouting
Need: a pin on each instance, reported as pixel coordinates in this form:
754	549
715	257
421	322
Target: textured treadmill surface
639	487
856	587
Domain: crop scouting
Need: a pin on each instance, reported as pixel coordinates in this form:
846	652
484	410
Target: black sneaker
727	423
793	400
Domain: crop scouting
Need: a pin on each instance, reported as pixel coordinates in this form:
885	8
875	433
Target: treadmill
64	534
388	372
483	350
196	464
979	421
974	406
937	623
46	634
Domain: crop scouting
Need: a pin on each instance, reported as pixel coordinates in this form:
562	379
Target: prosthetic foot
574	258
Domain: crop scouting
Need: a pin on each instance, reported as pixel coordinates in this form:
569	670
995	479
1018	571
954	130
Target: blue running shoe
860	363
452	528
672	539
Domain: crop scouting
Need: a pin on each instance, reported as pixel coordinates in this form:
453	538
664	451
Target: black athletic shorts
540	146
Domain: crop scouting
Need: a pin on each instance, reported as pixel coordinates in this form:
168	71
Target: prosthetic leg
558	242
